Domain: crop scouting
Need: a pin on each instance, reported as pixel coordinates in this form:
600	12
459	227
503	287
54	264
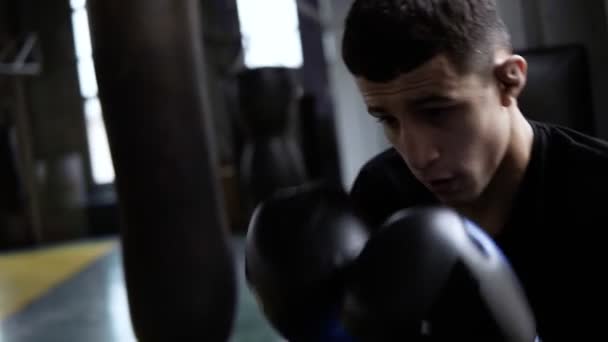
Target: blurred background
283	110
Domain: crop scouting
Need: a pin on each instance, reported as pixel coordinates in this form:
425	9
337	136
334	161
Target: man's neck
492	209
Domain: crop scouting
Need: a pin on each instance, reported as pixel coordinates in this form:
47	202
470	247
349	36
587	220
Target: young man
441	77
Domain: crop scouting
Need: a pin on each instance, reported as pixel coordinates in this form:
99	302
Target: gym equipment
178	265
300	244
271	157
429	274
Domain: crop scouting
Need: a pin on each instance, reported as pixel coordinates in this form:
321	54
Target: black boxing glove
299	246
431	275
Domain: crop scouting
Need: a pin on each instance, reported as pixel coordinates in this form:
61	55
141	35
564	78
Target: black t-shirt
554	237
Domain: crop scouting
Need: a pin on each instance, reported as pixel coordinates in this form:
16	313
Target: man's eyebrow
375	111
423	101
433	99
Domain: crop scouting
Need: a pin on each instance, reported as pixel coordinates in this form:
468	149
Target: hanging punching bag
178	267
271	158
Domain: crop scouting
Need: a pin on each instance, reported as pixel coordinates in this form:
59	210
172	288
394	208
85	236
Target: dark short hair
384	38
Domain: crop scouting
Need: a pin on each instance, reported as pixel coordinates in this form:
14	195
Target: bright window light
77	4
101	159
99	151
87	78
270	31
82	35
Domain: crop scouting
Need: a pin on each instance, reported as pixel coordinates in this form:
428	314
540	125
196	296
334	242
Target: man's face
451	129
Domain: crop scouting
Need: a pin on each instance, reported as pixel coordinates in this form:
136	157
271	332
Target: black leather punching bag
178	267
271	157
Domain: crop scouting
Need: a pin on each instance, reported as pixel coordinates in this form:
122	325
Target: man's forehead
434	74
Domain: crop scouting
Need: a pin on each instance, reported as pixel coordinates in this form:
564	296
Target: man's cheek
390	133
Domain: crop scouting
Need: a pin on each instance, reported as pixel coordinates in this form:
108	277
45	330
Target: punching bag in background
319	141
179	271
271	158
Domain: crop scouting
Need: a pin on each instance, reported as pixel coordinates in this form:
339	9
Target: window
99	151
270	33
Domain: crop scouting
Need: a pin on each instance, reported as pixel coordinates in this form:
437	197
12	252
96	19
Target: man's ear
511	74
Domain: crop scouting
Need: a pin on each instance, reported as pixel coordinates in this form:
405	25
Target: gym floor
75	292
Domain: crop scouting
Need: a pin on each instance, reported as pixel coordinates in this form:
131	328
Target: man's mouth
443	185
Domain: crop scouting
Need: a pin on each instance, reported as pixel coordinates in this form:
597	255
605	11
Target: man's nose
419	148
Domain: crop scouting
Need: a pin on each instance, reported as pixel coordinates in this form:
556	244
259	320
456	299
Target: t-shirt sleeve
385	185
377	193
366	197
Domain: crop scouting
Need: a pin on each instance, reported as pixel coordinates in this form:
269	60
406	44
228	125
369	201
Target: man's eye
437	114
387	120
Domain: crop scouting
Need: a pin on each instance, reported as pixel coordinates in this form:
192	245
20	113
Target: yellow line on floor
27	275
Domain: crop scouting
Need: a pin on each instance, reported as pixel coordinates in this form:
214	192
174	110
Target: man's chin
457	198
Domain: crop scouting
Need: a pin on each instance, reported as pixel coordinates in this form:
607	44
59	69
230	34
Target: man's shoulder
576	164
384	170
384	185
386	161
580	150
